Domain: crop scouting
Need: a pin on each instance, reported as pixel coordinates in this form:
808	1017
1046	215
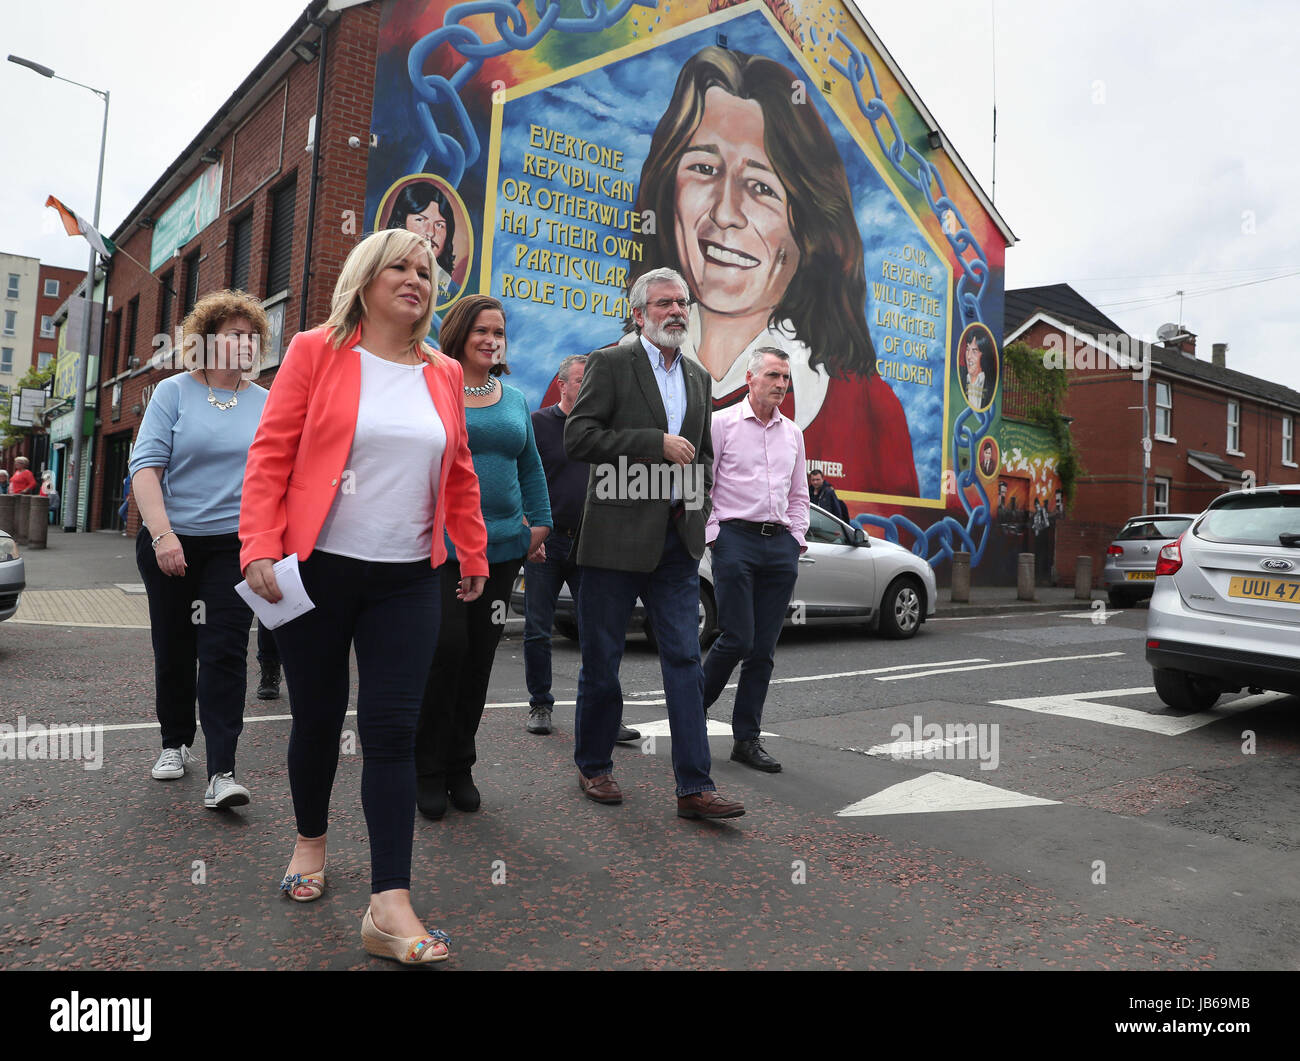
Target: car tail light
1115	550
1170	558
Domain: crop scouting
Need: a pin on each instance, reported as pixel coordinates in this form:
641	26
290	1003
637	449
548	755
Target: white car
1225	613
846	576
13	579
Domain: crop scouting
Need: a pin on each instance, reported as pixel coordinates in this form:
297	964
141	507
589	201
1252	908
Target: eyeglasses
668	303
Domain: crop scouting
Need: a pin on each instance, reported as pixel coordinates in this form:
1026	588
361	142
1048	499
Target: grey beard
666	336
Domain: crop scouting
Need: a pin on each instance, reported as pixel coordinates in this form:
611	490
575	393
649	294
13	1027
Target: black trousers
456	691
388	614
198	622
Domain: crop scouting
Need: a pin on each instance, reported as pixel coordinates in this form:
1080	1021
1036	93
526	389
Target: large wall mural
553	151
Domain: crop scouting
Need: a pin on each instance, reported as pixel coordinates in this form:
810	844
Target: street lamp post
72	493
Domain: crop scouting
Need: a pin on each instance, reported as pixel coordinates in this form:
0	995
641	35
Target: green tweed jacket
617	425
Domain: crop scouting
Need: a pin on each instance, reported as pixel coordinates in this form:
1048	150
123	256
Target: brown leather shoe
602	789
708	805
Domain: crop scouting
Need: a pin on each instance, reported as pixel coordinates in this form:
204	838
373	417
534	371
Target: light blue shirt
201	449
672	389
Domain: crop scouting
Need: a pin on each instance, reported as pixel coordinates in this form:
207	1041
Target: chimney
1219	355
1187	343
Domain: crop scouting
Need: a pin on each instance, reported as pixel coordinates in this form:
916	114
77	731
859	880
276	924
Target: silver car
1130	571
846	576
1225	613
13	577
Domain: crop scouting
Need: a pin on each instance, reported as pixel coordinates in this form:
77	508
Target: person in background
268	659
23	481
517	514
4	481
49	490
823	495
359	463
187	470
566	485
126	503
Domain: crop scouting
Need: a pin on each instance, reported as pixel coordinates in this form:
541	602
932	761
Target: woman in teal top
517	512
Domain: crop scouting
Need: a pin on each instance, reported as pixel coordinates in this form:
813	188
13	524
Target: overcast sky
1143	147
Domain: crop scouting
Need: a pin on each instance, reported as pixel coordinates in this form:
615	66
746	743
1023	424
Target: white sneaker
171	764
224	791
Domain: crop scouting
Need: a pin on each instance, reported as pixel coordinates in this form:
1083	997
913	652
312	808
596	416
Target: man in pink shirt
756	533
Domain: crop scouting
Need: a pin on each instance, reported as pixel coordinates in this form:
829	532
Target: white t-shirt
385	504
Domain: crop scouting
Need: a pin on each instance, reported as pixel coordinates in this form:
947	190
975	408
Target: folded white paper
293	601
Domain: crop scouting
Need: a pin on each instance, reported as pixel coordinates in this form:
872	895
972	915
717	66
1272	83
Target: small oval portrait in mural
430	207
756	213
989	458
977	365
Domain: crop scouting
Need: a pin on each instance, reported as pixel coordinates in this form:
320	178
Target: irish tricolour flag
75	225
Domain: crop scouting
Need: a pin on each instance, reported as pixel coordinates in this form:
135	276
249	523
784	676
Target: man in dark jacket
822	494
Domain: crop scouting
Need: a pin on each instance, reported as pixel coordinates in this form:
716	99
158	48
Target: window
1164	410
43	361
241	246
6	358
51	288
1162	502
1288	440
166	308
1234	427
132	316
281	250
11	321
191	283
14	281
47	327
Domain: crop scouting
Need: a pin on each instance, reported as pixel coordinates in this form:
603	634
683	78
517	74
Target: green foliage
1047	388
34	378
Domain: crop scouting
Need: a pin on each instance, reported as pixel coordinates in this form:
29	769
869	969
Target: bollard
1083	578
961	577
22	517
38	522
1025	577
8	513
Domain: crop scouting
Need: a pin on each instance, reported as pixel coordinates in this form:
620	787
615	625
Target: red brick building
53	286
1212	429
286	157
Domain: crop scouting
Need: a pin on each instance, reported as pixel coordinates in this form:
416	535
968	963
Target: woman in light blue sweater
517	512
187	474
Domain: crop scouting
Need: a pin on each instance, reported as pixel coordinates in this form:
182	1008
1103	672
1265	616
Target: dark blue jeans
542	584
753	580
671	594
389	614
213	638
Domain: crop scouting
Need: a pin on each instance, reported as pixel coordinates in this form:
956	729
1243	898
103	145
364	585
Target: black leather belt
765	529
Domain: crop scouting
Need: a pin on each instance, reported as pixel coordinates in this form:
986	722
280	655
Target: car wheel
1118	598
1185	692
901	609
567	628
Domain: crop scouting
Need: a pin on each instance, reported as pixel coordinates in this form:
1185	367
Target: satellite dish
1168	331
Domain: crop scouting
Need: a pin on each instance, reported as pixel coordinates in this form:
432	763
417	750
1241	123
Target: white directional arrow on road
1085	706
936	793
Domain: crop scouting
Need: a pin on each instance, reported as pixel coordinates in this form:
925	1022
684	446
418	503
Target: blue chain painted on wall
453	150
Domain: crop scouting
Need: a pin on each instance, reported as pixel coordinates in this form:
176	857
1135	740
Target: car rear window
1148	529
1252	519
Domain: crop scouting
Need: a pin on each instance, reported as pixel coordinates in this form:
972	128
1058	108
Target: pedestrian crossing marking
938	793
1085	706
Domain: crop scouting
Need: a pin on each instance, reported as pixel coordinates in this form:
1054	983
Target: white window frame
47	326
1234	428
43	360
1288	441
7	351
51	283
1160	507
11	322
14	289
1165	435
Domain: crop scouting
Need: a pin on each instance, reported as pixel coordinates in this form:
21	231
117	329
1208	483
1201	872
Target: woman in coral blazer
359	463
